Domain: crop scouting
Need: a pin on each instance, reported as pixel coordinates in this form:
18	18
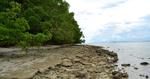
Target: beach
59	62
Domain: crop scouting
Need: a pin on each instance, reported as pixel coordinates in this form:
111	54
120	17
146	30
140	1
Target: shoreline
60	62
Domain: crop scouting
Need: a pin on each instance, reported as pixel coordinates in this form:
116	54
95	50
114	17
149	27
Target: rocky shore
59	62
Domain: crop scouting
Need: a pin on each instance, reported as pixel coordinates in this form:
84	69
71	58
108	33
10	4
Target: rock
80	75
136	68
116	65
76	60
66	63
146	76
126	65
113	54
112	59
141	75
115	59
99	52
114	72
116	76
119	75
125	75
144	63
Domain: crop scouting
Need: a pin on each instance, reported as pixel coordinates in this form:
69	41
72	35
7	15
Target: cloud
110	20
138	32
138	35
114	4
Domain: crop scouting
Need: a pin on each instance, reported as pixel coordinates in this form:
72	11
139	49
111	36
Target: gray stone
144	63
66	63
126	65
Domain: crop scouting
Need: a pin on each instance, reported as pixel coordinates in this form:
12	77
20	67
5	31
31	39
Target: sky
112	20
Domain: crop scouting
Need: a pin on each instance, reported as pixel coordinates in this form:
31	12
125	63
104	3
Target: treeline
37	22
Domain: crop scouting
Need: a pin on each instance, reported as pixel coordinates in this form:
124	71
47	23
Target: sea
132	53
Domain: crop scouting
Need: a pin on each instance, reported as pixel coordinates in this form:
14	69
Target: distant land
120	41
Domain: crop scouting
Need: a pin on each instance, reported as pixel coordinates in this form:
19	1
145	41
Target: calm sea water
131	53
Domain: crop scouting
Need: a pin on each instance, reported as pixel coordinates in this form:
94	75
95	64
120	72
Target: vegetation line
37	22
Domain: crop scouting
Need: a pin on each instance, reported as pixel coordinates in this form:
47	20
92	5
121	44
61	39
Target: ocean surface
131	53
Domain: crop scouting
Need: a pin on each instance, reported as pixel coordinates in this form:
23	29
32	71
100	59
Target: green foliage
25	42
37	22
53	17
40	38
4	4
12	27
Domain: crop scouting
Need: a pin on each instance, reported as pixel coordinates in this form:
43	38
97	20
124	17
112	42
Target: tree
12	27
37	22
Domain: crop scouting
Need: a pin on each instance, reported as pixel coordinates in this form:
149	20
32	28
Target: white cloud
93	16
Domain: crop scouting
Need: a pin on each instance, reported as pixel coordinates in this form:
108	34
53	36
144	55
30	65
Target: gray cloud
111	5
107	20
